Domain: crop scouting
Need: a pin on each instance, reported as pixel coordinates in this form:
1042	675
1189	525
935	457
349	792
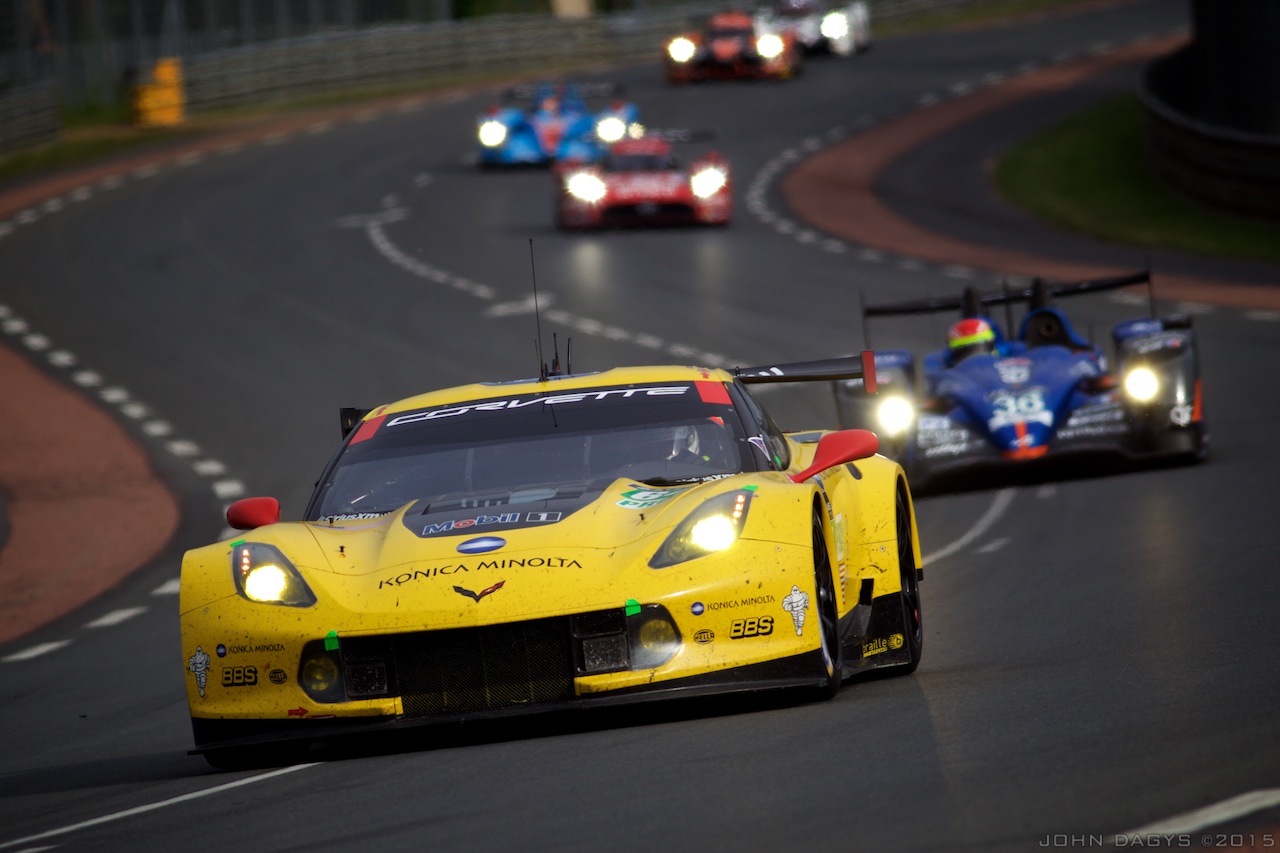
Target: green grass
978	14
1089	174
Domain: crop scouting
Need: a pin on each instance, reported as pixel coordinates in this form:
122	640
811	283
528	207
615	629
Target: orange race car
732	45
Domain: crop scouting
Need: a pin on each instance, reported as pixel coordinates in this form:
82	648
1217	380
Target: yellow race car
567	541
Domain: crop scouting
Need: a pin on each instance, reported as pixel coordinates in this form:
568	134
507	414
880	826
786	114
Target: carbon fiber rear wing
972	302
1006	297
862	366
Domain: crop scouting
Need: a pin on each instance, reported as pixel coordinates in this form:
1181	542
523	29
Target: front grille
487	668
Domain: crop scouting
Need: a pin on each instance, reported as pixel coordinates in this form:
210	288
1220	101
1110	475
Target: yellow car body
557	588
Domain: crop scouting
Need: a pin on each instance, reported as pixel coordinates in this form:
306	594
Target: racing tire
912	624
828	614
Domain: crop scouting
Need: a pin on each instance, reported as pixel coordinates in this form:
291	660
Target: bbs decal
758	626
239	676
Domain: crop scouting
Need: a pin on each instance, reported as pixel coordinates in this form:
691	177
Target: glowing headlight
492	133
708	182
712	527
1141	384
587	187
895	415
835	25
769	46
635	130
611	128
681	50
264	575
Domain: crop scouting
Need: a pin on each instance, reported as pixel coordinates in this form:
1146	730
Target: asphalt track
1100	651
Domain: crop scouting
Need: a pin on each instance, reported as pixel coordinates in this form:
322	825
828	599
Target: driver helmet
970	336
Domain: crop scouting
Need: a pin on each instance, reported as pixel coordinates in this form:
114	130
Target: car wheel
913	630
828	613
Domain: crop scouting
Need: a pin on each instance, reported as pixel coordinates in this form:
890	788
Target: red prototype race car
641	182
732	45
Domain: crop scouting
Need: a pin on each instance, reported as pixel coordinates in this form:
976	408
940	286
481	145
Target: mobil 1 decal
467	522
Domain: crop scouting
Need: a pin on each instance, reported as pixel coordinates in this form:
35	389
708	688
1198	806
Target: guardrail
367	57
1220	166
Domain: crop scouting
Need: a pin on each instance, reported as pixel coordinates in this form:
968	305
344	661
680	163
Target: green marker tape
330	641
633	607
237	543
749	488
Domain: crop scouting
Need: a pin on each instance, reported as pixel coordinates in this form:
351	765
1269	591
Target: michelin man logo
199	664
796	604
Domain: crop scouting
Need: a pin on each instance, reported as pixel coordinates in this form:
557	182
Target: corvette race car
570	541
732	45
642	182
820	27
556	125
985	401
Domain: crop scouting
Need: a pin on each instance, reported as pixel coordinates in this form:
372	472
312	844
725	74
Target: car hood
442	563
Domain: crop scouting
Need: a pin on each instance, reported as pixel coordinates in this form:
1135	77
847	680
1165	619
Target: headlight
492	133
611	128
712	527
586	186
635	130
264	575
1142	384
707	182
895	415
681	50
769	46
835	25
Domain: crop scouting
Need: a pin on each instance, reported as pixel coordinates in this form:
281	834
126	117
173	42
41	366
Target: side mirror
252	513
837	448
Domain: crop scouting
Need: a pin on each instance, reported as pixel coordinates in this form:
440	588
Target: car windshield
537	444
640	163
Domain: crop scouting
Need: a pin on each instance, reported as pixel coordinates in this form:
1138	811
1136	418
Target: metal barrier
29	116
343	57
1220	166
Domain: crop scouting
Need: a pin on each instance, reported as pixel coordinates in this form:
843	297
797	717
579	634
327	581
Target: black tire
912	624
828	614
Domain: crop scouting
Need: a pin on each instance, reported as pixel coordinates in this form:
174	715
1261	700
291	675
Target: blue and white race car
555	125
986	401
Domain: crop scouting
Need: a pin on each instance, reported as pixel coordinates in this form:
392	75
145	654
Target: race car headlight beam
769	46
1141	384
586	187
707	182
611	129
681	50
265	575
835	25
895	415
492	133
712	527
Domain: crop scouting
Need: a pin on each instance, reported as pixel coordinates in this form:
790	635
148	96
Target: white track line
1213	815
194	795
999	504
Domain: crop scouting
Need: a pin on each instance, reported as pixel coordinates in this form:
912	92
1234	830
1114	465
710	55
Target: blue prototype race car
554	125
986	401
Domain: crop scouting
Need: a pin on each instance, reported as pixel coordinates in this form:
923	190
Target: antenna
537	317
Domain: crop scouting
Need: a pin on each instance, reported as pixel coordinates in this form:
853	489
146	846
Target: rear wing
973	302
530	91
861	366
681	134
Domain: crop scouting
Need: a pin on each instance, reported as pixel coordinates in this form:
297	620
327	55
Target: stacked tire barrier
1211	110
